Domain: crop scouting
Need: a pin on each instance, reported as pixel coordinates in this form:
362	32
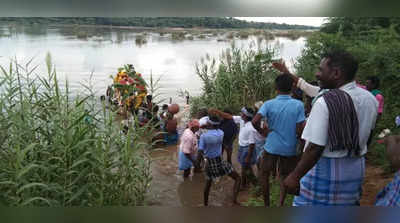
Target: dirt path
169	188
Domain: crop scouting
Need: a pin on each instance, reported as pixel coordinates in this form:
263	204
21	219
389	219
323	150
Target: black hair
165	106
251	111
375	81
344	61
149	97
102	98
284	82
214	118
227	110
202	112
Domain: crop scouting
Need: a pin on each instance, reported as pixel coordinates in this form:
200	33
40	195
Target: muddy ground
169	188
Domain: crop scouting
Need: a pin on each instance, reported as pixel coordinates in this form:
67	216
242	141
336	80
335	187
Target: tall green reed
53	155
239	77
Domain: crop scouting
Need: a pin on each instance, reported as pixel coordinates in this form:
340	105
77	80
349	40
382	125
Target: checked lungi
216	167
390	195
332	181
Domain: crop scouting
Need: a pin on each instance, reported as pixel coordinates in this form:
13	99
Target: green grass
52	156
256	199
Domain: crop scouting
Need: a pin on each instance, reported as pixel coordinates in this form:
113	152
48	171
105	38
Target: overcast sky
311	21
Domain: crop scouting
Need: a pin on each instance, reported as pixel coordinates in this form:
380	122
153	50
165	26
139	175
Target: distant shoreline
157	28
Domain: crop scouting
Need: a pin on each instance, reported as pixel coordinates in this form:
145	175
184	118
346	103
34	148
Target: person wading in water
210	147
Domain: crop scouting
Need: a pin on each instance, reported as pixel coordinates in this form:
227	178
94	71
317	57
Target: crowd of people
315	148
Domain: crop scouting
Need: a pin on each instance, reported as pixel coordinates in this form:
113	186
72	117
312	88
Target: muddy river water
99	55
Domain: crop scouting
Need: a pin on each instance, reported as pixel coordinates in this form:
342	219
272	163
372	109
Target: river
100	54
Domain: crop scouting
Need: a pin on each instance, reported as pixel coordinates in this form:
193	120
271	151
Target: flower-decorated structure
128	89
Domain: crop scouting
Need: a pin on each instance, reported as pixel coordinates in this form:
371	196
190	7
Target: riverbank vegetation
176	22
63	149
242	77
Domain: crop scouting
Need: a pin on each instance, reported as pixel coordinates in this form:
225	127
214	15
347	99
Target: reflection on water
79	51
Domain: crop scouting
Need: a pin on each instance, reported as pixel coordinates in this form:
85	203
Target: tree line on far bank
176	22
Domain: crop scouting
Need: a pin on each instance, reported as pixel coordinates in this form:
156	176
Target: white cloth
316	130
309	89
247	133
203	121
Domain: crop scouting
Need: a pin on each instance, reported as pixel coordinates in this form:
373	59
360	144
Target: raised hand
280	66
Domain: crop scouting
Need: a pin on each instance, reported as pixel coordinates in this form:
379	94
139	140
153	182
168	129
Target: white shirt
247	133
309	89
316	130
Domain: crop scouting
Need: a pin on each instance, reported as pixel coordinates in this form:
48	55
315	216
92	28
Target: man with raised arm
331	169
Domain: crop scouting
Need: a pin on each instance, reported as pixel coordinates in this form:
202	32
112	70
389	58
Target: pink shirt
188	142
379	98
361	86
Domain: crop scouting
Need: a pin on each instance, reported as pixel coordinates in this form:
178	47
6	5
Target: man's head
194	125
149	98
213	122
165	107
247	114
372	83
228	111
202	112
336	69
283	83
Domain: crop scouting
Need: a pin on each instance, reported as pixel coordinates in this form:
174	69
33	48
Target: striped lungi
390	195
216	167
332	181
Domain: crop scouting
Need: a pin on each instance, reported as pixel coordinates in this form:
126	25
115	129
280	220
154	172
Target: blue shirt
282	114
211	143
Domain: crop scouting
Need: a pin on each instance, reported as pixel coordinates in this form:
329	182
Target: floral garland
129	87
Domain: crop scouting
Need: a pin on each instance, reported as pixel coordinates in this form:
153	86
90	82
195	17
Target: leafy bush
240	77
63	150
